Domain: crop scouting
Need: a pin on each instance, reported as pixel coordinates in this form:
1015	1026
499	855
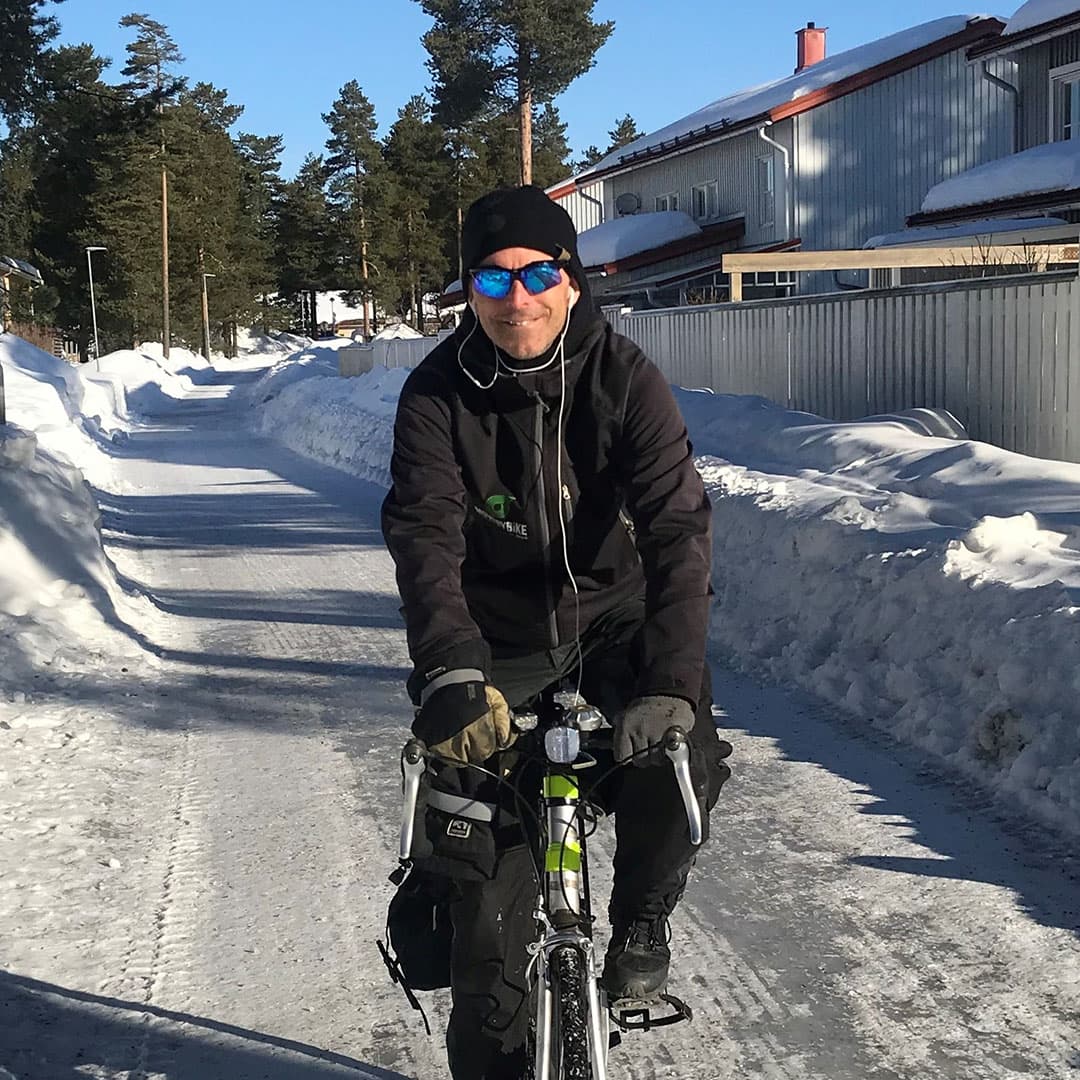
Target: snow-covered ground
928	586
194	844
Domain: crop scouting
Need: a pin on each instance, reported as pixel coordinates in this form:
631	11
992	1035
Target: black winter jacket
489	502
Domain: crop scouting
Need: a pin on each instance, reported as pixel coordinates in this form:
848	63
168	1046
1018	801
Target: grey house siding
1035	64
584	213
864	162
731	162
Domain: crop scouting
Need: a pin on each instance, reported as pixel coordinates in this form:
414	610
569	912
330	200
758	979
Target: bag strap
393	965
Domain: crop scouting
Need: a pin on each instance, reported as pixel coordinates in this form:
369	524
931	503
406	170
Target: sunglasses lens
492	282
495	283
541	276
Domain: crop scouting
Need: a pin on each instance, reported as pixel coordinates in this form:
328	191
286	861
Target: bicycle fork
564	871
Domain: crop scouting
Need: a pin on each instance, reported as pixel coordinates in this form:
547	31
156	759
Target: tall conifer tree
352	163
490	55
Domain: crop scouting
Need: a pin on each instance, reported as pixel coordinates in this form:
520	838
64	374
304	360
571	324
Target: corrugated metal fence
1003	355
393	352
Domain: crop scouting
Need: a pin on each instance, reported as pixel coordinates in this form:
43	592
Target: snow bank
60	605
928	586
348	423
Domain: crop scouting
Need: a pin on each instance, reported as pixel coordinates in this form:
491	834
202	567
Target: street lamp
206	318
93	310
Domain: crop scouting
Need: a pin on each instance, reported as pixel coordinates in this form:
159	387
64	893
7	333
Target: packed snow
756	101
1046	168
1036	12
927	586
626	236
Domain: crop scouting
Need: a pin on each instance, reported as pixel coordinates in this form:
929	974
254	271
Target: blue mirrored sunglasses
495	282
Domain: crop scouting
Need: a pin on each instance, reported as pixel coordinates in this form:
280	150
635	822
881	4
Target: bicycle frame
563	910
564	904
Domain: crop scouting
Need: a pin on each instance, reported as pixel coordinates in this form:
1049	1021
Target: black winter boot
636	965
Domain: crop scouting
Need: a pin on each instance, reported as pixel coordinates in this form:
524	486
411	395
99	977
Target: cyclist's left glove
642	726
462	718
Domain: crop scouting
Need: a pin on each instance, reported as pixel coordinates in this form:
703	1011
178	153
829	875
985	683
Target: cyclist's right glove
463	719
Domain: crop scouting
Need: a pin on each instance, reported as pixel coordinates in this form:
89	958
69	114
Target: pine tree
151	56
303	252
417	201
352	162
623	133
487	56
24	37
262	192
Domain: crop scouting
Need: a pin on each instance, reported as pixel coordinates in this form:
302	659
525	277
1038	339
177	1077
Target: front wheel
571	1011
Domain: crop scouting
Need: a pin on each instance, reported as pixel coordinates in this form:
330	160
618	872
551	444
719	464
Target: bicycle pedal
633	1014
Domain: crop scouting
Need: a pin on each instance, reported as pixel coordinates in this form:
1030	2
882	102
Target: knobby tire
568	974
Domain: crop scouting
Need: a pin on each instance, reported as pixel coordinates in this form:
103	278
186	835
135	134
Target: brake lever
412	769
677	748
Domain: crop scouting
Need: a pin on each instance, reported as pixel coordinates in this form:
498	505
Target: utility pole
164	255
206	318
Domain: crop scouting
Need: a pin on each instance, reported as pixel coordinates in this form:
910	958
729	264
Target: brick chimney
811	46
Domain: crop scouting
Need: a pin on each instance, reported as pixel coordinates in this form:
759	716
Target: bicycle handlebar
675	744
413	764
677	747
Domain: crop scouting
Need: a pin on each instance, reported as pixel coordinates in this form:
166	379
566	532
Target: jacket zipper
545	531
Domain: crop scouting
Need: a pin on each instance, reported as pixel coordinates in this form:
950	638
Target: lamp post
206	318
93	309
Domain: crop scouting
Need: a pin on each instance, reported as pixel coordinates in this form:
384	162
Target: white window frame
766	192
710	200
668	201
1061	79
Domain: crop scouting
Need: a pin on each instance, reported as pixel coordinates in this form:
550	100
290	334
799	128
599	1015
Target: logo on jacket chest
499	510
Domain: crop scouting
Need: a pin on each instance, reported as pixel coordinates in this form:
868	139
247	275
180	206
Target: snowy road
199	897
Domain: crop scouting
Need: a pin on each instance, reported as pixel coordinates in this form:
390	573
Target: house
1041	173
843	149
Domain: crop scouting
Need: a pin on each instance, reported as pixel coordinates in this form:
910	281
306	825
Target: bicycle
570	1030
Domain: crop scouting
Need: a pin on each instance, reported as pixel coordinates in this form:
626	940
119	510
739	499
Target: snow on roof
398	332
1036	12
1051	167
11	265
626	236
747	104
930	234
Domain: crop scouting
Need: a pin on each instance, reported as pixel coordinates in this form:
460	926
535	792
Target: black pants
493	916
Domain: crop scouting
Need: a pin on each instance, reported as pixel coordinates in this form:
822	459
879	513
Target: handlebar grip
412	769
677	747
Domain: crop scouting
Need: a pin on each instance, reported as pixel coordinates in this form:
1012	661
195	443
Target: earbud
573	298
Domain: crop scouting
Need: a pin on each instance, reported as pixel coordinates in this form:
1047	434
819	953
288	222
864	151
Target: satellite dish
627	203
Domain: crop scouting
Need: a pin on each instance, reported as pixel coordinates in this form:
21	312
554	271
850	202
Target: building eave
1033	35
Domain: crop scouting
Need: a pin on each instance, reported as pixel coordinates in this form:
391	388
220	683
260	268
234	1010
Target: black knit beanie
518	217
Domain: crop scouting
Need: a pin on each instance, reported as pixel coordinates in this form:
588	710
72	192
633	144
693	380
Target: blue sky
285	61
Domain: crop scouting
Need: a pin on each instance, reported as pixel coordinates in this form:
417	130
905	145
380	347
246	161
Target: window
766	189
705	200
1065	103
670	201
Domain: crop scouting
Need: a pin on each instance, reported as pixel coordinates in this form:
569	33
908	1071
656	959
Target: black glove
463	719
643	724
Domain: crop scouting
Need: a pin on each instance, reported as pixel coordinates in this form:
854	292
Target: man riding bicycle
547	523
